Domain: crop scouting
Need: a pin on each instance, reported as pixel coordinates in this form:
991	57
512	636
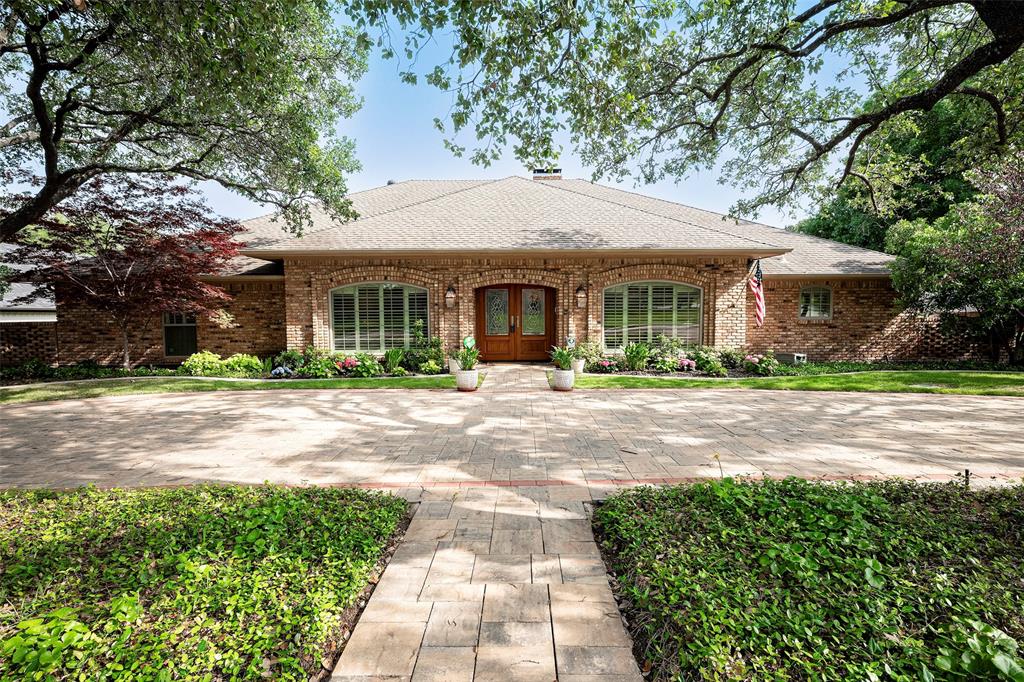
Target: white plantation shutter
344	307
640	311
614	309
374	317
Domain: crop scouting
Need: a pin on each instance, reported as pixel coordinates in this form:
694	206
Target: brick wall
308	282
274	314
865	325
24	341
84	333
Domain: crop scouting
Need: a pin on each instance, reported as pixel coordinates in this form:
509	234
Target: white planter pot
577	366
467	379
563	380
453	366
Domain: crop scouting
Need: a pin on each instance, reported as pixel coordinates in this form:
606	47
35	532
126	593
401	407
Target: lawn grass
923	381
195	583
787	580
108	387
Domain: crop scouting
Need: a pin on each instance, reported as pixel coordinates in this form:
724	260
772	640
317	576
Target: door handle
513	324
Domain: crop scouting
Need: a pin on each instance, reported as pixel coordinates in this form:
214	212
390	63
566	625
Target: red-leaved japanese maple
133	248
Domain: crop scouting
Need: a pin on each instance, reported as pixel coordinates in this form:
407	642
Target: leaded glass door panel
515	322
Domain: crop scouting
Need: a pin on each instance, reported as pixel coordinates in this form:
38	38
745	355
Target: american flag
757	287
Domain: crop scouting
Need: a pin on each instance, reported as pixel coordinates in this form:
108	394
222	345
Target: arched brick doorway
515	322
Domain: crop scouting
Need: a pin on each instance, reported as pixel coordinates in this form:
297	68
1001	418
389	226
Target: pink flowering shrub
763	365
605	365
346	364
687	365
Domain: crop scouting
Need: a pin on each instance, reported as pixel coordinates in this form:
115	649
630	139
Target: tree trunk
127	364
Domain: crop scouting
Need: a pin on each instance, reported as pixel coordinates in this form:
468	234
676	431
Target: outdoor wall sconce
581	296
449	297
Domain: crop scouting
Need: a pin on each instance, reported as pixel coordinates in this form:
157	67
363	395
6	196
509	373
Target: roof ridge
391	210
362	191
668	217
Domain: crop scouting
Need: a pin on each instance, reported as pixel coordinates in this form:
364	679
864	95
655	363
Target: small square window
179	334
815	303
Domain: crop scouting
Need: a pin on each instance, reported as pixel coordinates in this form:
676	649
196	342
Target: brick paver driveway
436	436
499	577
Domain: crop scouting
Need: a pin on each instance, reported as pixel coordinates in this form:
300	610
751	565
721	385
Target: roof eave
829	275
589	252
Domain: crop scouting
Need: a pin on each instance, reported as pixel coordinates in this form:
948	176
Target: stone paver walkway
515	377
493	584
421	438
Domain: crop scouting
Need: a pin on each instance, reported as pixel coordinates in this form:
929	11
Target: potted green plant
467	376
564	376
579	361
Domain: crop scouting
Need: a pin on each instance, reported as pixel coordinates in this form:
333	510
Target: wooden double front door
515	322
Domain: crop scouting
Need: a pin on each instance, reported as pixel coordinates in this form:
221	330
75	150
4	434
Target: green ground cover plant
198	583
937	381
799	580
99	389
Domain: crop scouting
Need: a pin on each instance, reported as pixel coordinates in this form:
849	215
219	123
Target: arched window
640	311
815	303
372	317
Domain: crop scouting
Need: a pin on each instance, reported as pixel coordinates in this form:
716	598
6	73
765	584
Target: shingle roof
42	301
517	214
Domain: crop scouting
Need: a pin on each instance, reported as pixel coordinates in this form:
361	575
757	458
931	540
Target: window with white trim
640	311
815	303
179	334
373	317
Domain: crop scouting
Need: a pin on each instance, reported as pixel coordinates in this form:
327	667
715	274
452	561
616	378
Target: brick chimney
547	173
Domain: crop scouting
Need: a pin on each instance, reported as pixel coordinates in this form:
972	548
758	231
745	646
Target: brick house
523	264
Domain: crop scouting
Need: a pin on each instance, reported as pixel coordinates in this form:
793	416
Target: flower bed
671	358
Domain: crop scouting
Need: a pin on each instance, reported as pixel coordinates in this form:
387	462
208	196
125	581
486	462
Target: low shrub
317	364
242	365
706	360
429	367
34	371
191	583
590	352
665	364
203	364
290	359
798	580
368	366
422	349
635	356
731	358
666	348
763	365
687	365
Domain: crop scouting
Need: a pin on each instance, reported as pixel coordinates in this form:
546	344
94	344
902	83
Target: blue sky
396	140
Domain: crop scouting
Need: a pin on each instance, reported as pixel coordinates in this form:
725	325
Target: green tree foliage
968	266
243	92
915	171
783	95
